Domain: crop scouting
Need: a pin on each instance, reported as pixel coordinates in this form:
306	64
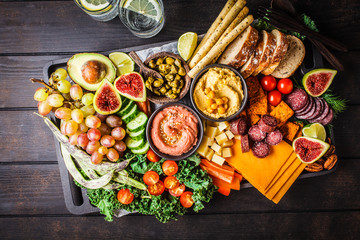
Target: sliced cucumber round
125	102
137	135
138	123
142	150
135	144
131	115
127	108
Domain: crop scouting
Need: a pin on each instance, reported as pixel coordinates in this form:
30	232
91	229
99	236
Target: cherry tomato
268	83
171	182
150	178
152	156
274	97
176	192
285	86
186	199
156	189
125	196
170	167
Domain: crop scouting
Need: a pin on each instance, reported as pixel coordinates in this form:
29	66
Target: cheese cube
221	138
211	132
226	152
223	125
217	159
208	141
216	148
229	134
203	149
209	154
227	143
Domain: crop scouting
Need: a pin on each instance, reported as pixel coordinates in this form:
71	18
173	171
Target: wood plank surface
319	225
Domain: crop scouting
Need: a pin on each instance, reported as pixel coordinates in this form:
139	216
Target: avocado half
90	69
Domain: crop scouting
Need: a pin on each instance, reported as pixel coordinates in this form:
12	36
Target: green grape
88	110
41	94
55	100
59	74
63	113
76	92
87	99
77	115
63	86
83	128
44	108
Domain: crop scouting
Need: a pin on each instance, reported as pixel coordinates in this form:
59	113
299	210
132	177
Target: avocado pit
93	71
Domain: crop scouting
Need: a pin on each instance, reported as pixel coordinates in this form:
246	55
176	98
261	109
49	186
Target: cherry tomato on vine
124	196
186	199
170	167
152	156
176	192
151	177
274	97
171	182
268	83
156	189
285	86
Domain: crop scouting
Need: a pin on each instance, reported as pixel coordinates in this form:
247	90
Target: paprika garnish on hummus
174	130
218	93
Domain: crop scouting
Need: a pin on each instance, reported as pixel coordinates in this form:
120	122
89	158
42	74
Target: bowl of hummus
218	93
174	131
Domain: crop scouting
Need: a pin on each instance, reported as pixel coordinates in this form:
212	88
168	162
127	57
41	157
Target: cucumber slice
135	144
131	115
137	135
126	109
125	102
142	150
137	123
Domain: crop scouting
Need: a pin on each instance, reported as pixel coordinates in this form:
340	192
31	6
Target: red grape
103	150
104	129
94	134
120	146
70	127
83	140
44	108
77	115
92	147
92	121
101	117
113	121
107	141
83	127
96	157
76	92
118	133
63	113
112	155
73	138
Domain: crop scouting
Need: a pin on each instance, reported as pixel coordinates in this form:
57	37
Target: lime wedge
94	5
187	44
315	130
149	8
123	63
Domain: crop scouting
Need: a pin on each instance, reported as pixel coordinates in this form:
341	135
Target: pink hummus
174	130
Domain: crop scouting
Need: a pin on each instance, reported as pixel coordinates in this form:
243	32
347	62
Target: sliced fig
309	150
131	85
106	100
317	81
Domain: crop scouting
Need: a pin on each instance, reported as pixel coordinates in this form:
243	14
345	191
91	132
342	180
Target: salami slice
256	134
297	99
260	149
306	107
234	126
274	138
242	126
267	123
323	114
311	111
328	119
319	107
245	146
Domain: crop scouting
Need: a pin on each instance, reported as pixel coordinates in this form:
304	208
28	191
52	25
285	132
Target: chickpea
167	86
207	91
221	110
209	102
178	62
214	106
211	94
163	90
157	83
169	60
159	61
177	77
152	63
169	77
219	101
173	69
148	85
225	99
210	110
163	67
173	96
226	106
151	79
182	71
182	83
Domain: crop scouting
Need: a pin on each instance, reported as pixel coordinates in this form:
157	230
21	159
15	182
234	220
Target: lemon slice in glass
187	44
123	63
94	5
315	130
149	8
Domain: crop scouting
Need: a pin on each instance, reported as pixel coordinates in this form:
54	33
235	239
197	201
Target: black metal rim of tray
76	200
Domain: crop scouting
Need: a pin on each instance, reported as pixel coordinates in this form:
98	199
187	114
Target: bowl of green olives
175	82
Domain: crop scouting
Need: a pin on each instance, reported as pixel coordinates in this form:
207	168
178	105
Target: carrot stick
212	172
239	176
224	187
223	169
224	191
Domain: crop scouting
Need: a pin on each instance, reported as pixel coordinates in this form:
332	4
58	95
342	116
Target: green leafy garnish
336	103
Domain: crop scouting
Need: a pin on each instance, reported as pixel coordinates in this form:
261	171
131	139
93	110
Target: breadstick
220	46
216	23
217	33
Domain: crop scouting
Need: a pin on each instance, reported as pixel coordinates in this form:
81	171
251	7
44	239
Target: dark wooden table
31	197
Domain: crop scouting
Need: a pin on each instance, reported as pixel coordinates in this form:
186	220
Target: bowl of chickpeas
218	93
175	82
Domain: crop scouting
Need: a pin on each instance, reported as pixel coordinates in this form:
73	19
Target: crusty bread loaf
279	52
241	49
292	59
254	61
265	59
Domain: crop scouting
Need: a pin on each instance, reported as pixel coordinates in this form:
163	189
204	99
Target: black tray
76	199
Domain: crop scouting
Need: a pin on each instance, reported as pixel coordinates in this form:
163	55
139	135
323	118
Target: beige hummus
225	83
174	130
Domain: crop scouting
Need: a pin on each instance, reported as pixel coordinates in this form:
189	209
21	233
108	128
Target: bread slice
241	49
254	60
267	55
279	52
292	59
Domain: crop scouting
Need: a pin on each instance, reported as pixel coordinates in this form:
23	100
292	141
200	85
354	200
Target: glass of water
100	10
144	18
